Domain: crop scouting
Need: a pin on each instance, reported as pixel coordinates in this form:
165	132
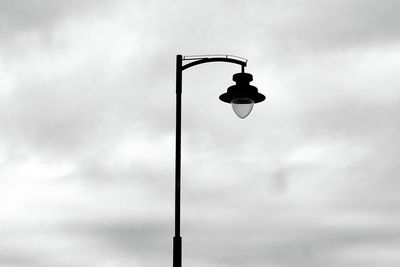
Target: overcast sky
87	106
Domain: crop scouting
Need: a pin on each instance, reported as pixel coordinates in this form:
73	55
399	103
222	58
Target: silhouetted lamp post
242	96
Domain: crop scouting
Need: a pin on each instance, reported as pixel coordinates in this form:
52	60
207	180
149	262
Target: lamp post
242	96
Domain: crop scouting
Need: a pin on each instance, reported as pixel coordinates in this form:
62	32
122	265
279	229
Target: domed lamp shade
242	95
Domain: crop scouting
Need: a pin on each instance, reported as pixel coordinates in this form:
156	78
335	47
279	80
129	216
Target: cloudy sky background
87	108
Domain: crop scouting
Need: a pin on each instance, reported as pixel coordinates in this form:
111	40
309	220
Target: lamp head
242	95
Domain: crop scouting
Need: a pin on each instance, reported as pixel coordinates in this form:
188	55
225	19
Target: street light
242	96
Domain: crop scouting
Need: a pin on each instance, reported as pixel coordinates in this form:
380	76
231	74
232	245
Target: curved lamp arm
207	59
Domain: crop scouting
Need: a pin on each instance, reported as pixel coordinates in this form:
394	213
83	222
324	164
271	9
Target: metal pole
177	241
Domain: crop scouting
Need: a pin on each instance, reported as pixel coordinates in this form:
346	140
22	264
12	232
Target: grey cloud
317	26
60	116
265	240
96	172
47	118
137	237
231	215
20	15
351	118
10	258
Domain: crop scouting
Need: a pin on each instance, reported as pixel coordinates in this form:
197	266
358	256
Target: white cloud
87	145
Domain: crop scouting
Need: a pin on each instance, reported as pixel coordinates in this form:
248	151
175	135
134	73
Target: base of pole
177	251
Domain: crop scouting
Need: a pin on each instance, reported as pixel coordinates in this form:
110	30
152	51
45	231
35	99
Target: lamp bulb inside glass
242	106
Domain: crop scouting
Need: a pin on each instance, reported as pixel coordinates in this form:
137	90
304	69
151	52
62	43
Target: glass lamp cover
242	106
